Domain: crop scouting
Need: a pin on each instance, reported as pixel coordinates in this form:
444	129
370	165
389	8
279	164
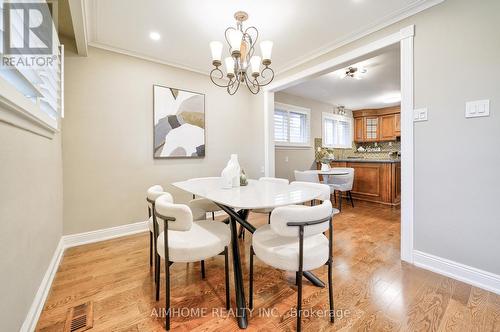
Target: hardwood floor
374	290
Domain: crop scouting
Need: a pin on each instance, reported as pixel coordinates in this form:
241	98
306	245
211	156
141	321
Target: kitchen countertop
367	160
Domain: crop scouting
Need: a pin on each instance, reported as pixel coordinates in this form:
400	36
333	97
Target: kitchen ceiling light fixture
242	66
353	72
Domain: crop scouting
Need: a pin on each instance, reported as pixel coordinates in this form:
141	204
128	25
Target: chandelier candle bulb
229	66
266	48
216	49
255	64
235	38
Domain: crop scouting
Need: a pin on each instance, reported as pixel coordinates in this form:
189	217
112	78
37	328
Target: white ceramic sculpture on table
231	174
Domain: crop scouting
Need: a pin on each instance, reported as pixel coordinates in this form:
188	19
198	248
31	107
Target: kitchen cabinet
387	127
378	182
371	129
397	124
377	125
358	129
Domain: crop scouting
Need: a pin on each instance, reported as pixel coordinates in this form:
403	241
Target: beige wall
108	137
299	158
457	59
30	217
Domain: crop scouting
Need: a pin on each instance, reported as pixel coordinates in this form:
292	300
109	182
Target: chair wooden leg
150	249
226	271
350	197
269	218
250	283
213	215
330	291
202	269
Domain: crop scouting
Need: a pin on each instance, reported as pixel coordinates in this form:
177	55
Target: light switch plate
420	115
477	108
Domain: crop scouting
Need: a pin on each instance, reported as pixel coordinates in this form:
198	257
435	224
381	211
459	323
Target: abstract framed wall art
179	123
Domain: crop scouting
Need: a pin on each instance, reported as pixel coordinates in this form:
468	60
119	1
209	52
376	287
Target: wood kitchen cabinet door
387	127
358	129
371	129
397	124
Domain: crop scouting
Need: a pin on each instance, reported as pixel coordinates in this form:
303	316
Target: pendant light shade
216	49
266	48
235	37
255	64
229	65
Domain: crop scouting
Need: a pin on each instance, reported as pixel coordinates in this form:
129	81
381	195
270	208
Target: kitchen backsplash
385	149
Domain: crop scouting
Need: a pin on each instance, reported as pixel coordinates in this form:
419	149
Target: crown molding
145	57
382	23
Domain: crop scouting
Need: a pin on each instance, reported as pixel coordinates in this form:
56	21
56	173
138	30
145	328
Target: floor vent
79	318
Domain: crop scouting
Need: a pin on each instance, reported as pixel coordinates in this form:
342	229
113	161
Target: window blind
298	124
280	126
38	81
291	126
337	131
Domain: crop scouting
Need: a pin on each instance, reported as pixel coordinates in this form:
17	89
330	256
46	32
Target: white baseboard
68	241
471	275
35	310
74	240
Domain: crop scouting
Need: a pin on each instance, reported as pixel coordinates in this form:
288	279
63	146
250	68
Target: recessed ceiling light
154	35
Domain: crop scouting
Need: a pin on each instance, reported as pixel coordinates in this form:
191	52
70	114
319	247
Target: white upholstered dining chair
271	180
152	194
267	211
342	184
198	211
325	189
294	241
204	204
307	176
185	240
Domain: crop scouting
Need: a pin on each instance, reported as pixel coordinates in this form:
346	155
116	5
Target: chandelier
242	66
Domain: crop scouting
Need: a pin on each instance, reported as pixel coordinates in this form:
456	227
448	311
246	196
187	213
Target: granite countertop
367	160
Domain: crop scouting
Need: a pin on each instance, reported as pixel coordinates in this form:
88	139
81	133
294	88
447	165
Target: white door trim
405	38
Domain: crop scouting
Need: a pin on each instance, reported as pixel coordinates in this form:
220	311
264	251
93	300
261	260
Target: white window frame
295	109
22	112
337	117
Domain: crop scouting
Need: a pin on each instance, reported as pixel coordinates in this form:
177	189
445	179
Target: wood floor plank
373	289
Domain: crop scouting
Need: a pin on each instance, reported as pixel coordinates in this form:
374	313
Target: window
337	131
31	71
291	125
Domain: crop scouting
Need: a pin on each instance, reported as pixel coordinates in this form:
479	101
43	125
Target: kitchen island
375	180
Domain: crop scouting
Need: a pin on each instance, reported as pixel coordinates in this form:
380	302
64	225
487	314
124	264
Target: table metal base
241	217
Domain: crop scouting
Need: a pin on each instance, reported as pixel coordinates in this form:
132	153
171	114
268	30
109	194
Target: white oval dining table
237	203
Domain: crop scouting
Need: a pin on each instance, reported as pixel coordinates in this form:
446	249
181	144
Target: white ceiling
300	29
378	87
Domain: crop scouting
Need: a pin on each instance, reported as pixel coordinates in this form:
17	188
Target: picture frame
178	123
